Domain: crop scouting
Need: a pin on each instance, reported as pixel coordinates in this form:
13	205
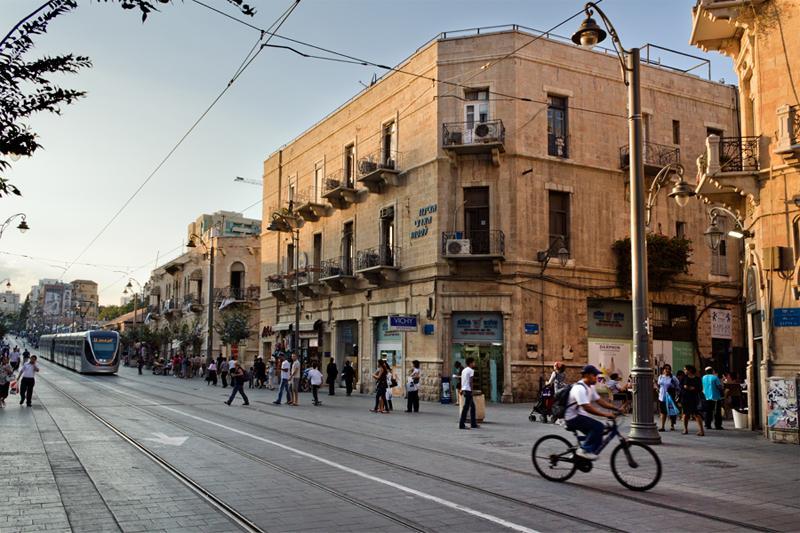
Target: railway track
628	497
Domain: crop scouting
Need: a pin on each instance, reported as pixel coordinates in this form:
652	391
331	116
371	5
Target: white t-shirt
466	378
579	395
411	386
14	356
29	370
231	364
296	370
315	376
285	370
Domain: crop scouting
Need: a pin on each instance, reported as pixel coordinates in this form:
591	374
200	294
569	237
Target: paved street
340	467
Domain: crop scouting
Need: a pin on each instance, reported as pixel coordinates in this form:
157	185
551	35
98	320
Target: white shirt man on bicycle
582	396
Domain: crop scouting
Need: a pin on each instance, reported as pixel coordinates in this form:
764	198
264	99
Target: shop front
610	336
389	346
346	345
480	336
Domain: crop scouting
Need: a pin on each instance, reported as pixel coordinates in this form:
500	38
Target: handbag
672	409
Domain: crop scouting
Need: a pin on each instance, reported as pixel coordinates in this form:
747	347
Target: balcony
729	171
279	287
192	303
311	206
471	138
379	170
788	145
170	307
237	294
462	246
154	311
337	274
308	281
379	265
341	191
656	156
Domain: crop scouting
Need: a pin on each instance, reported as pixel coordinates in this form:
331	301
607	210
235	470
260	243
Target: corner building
434	199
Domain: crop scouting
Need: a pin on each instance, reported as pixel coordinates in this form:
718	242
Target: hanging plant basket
667	257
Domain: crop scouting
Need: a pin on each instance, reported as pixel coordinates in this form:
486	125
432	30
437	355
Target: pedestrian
271	374
261	372
284	385
140	363
238	377
348	374
295	380
558	377
14	359
392	383
6	377
690	399
668	385
251	377
380	376
315	378
412	388
187	367
467	403
223	372
619	393
25	355
582	397
712	390
28	375
211	376
333	373
231	363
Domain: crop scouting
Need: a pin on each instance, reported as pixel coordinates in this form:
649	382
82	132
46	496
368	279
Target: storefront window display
480	336
389	346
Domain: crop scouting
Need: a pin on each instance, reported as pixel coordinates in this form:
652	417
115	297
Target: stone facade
759	181
84	293
454	174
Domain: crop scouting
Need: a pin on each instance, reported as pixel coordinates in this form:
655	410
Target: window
476	110
476	219
319	176
719	257
676	132
349	165
796	237
387	235
557	126
237	276
289	258
317	258
347	249
680	229
291	190
389	145
558	203
714	131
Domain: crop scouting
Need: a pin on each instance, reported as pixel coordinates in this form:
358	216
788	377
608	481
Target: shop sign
423	221
477	327
531	329
383	333
786	317
610	319
721	324
402	323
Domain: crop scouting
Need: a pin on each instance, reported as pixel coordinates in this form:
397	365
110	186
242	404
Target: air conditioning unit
387	212
457	247
484	132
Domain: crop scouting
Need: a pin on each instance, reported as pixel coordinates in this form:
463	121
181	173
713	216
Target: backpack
561	402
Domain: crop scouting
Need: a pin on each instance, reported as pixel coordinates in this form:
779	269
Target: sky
151	81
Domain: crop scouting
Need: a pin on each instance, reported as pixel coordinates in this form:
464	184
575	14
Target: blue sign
427	329
531	329
786	317
402	323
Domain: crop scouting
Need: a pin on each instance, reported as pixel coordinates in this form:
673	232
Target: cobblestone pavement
339	467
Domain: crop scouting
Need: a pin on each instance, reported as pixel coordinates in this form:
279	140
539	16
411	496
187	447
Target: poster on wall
721	324
610	319
611	357
782	404
676	354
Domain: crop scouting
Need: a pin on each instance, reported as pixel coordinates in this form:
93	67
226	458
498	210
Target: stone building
753	170
9	302
179	289
84	299
433	206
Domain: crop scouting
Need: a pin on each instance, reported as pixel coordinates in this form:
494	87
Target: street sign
402	323
531	329
786	317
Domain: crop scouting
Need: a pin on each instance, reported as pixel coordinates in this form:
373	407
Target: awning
305	325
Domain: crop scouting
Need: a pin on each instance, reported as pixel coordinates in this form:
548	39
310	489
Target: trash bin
480	406
740	418
445	393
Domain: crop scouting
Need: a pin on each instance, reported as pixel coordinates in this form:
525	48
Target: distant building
230	223
125	300
9	302
84	298
61	306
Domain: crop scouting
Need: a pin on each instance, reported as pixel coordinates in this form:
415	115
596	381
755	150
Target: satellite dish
303	260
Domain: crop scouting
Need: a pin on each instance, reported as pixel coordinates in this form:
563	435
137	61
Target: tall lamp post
129	288
193	239
643	427
287	222
22	226
558	248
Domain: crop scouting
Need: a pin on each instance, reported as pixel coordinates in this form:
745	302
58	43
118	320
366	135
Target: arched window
237	278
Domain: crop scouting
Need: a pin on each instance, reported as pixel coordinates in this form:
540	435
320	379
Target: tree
21	321
234	327
26	87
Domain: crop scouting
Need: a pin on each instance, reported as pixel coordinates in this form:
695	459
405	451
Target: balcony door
476	219
476	111
347	249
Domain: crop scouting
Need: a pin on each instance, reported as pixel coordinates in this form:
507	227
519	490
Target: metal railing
238	293
378	160
557	145
473	133
654	154
192	299
738	154
169	305
339	266
470	243
309	195
275	283
378	256
336	180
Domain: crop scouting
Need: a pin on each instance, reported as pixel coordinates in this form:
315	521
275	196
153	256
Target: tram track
594	490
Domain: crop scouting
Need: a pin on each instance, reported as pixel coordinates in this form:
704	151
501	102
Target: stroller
543	406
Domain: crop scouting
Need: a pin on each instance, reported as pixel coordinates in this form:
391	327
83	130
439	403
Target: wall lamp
713	234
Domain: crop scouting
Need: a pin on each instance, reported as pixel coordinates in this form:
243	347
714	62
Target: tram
87	352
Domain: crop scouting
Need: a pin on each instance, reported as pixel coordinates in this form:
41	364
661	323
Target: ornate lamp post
22	226
129	289
193	239
287	222
558	248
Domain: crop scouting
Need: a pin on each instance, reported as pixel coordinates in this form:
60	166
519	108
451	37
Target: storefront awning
305	325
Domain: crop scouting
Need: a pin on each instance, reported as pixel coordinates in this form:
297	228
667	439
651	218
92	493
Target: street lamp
558	248
287	222
129	289
713	234
643	428
681	192
22	226
212	233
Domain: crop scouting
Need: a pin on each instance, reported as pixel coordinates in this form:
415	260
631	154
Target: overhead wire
248	60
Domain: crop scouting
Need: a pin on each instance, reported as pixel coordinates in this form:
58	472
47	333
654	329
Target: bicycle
635	465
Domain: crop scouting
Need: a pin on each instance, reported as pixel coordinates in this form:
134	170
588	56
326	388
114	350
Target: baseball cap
590	369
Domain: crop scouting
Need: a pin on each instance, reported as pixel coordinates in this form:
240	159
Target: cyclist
582	396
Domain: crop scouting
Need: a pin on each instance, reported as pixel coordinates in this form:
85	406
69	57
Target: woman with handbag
690	399
381	383
667	386
412	388
392	383
6	377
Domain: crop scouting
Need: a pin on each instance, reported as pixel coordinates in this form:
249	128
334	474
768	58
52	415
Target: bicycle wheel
635	465
552	458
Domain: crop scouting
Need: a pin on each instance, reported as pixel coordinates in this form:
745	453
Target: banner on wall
477	327
610	319
721	324
611	356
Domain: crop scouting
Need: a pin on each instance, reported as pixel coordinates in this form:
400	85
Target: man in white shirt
14	359
315	378
295	379
467	403
28	375
284	386
579	406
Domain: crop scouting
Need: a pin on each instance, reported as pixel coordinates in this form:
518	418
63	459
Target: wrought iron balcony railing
473	133
336	267
378	160
192	299
653	154
474	243
337	180
275	283
379	256
738	154
239	294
